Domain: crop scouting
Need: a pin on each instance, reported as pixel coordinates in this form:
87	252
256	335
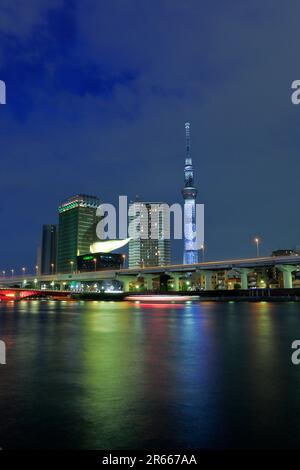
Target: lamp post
12	272
203	252
95	263
257	243
37	270
24	270
3	272
52	268
71	264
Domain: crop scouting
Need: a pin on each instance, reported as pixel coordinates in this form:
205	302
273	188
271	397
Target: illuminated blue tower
190	254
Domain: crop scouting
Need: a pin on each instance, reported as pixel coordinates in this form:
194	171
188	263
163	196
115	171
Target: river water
126	375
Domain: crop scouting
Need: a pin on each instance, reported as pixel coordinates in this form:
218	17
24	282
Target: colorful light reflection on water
113	375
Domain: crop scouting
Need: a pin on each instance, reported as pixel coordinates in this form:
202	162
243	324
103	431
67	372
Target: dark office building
76	230
48	249
99	261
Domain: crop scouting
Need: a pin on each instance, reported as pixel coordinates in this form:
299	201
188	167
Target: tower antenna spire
187	142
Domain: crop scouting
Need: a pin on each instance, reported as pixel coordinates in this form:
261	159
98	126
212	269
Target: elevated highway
285	264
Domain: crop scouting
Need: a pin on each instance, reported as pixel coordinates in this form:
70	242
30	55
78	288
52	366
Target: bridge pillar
125	281
244	277
17	296
196	277
147	281
287	275
175	281
208	280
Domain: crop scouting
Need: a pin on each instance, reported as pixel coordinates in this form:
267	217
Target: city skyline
188	174
86	115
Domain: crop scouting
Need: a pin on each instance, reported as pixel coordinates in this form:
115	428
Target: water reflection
136	375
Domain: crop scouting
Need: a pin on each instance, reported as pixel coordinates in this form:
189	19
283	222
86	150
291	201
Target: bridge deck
156	270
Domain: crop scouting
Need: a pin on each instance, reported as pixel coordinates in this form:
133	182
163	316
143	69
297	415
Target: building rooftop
79	200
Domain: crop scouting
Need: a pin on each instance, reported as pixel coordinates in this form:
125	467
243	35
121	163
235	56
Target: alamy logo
2	353
296	354
2	92
145	220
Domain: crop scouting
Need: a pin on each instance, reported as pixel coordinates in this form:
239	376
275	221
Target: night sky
97	96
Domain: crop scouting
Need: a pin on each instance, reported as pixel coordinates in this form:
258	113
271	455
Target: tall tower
190	254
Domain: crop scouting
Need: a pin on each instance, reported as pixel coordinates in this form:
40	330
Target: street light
37	270
52	268
95	263
12	272
3	272
257	241
203	251
72	264
24	270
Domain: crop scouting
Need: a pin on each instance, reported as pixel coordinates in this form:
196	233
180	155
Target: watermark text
2	353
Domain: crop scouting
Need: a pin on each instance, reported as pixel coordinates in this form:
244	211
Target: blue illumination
190	254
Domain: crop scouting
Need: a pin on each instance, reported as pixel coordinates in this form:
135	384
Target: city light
257	242
72	266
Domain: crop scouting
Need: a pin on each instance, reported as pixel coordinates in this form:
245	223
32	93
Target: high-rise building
48	250
189	192
76	230
149	247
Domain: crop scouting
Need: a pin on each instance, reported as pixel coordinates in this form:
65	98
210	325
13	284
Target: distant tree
236	285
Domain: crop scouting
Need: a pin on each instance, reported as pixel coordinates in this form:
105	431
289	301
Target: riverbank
250	295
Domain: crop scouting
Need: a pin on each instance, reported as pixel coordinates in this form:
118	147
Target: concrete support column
125	281
287	279
147	281
208	280
287	275
244	277
175	281
196	276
